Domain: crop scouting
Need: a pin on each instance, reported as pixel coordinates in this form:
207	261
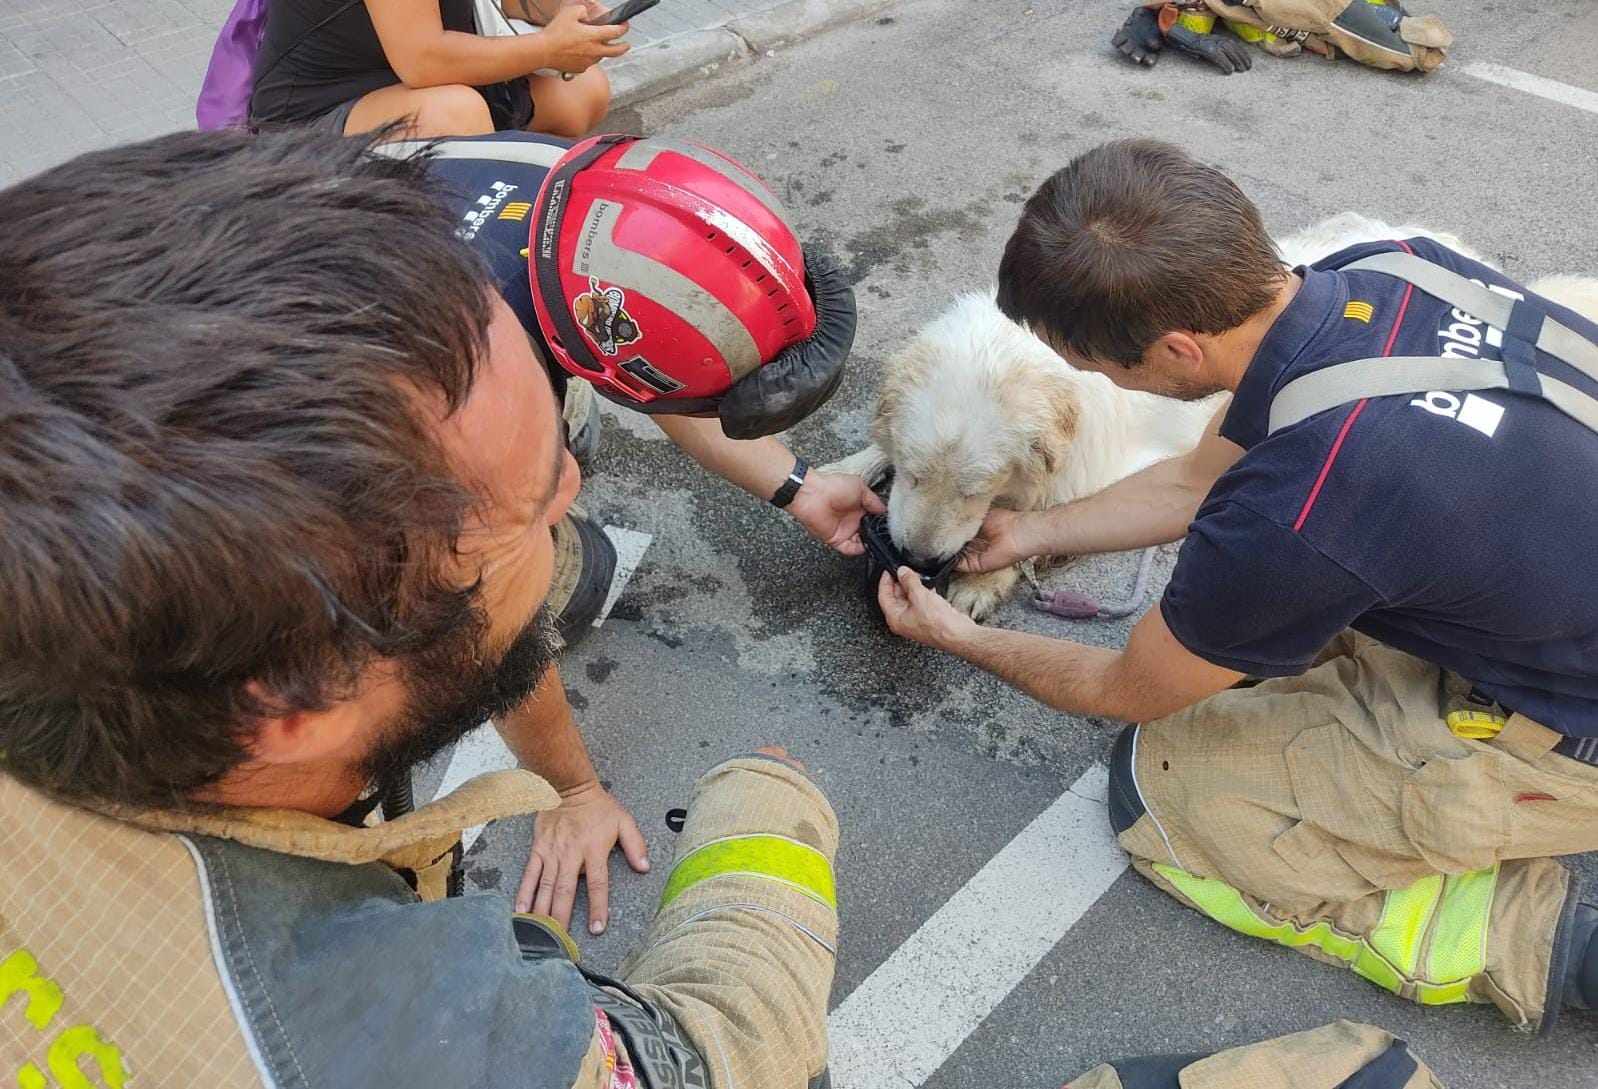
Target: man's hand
1006	538
575	46
917	613
577	838
830	506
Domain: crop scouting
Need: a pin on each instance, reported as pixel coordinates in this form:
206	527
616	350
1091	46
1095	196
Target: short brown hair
220	496
1133	240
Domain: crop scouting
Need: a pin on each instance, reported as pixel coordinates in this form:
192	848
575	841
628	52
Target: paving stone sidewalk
74	78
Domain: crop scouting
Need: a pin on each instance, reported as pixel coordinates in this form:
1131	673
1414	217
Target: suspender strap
1518	318
1523	322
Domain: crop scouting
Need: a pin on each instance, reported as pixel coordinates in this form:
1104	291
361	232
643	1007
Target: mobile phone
623	12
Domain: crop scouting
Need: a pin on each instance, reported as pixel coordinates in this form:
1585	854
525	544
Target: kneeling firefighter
663	275
296	499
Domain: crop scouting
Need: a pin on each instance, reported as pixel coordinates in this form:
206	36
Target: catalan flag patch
515	210
1359	310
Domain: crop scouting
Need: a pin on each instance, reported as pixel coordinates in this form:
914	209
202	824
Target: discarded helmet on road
665	274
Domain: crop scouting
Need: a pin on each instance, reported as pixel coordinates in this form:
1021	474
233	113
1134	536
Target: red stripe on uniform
1387	350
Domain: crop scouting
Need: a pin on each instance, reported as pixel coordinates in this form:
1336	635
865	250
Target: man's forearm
543	736
1069	677
1151	507
758	466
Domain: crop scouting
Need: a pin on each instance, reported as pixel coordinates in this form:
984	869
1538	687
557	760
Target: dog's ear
1059	415
905	370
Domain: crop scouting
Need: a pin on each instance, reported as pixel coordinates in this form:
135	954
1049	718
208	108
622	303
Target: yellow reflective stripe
772	857
1442	994
1405	916
1475	725
1249	32
1225	905
1459	944
1199	22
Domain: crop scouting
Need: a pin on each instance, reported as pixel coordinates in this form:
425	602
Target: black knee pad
1154	1071
1126	804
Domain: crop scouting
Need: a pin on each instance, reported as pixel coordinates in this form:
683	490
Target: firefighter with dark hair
663	276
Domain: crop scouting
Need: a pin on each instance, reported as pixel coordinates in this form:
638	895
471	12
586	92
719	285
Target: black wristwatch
790	487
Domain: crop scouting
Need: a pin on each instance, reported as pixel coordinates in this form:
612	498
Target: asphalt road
905	143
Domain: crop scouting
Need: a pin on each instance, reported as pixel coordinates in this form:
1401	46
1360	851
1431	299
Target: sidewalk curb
684	58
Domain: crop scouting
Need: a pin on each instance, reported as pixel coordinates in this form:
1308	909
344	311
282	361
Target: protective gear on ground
665	273
585	564
251	947
1140	37
1378	33
1343	1055
1336	813
1193	33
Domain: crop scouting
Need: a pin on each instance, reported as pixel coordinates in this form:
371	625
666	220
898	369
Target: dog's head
973	413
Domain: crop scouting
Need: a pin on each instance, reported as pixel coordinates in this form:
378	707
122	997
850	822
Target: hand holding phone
623	12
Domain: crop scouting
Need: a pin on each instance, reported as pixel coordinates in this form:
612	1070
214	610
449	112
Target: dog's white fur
976	412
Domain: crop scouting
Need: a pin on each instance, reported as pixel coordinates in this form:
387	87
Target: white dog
976	412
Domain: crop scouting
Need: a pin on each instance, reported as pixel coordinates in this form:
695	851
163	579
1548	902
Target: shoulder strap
1520	319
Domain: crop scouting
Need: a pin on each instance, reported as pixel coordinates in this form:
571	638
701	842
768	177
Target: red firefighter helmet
663	272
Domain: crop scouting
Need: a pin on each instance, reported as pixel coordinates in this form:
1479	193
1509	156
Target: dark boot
585	563
1581	958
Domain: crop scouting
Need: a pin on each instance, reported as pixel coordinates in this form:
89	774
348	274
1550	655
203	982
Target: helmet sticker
602	312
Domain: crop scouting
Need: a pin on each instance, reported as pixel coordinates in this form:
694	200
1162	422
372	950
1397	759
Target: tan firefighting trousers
1320	1059
1337	814
1284	27
107	965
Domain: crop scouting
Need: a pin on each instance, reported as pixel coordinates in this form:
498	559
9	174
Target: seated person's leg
569	108
450	110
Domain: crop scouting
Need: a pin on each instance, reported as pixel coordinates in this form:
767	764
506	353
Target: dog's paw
870	464
979	595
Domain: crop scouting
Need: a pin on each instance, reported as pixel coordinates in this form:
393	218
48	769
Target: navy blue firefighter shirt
491	182
1459	527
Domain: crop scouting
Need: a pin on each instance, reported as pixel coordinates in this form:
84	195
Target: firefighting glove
1139	37
1222	50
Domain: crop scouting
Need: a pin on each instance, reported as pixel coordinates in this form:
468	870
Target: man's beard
455	688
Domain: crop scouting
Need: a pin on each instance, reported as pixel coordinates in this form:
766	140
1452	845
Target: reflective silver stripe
1572	402
526	152
1559	341
219	959
639	155
1325	389
598	255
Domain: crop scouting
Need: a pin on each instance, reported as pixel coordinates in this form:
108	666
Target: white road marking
1551	89
478	753
483	751
910	1015
630	548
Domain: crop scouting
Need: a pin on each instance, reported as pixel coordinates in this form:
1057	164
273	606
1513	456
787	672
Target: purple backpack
225	94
